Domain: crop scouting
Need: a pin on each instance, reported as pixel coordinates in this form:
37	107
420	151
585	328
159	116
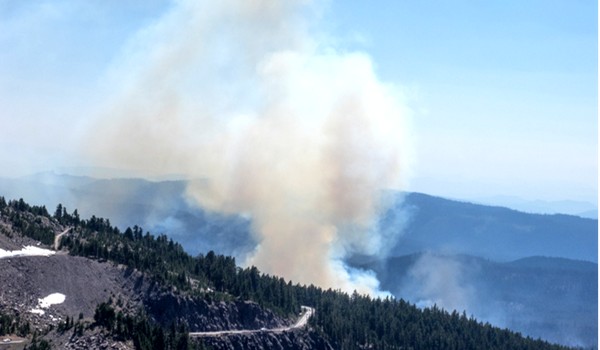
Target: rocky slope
300	340
84	282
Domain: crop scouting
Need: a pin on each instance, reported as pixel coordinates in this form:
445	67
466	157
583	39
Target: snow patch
44	303
54	298
26	251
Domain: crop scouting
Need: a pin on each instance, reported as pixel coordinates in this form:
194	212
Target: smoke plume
268	119
440	280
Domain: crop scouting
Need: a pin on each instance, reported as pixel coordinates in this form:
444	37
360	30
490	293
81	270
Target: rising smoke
439	280
268	119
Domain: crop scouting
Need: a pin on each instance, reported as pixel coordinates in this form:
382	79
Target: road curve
307	312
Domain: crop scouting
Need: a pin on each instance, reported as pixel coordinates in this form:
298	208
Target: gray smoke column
250	100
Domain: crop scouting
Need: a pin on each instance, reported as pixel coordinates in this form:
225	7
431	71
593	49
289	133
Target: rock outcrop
292	340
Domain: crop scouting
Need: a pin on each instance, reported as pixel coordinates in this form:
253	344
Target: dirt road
58	237
307	312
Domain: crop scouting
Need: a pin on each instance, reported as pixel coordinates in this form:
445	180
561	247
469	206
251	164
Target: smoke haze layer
249	101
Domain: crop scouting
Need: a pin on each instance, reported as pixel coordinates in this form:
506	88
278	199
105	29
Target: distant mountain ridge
569	207
438	224
555	263
419	222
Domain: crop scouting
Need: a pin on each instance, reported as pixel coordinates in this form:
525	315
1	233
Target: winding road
302	322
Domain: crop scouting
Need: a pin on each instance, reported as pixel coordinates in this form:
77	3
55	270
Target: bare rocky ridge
84	282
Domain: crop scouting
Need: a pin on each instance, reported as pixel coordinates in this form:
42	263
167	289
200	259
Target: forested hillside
344	321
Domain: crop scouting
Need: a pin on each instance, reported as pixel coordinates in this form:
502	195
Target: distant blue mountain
437	224
419	222
552	298
578	208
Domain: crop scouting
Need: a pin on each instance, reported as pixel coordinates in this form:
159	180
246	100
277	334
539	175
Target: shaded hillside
551	298
437	224
178	280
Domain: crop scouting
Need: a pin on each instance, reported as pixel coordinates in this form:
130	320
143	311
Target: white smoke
245	98
439	280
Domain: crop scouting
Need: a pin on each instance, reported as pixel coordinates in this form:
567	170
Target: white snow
54	298
26	251
44	303
37	311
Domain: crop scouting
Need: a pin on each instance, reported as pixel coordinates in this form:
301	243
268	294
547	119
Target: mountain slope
209	291
437	224
551	298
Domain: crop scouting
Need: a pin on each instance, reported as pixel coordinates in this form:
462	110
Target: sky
502	95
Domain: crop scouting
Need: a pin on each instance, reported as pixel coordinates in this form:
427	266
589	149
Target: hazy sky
503	93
